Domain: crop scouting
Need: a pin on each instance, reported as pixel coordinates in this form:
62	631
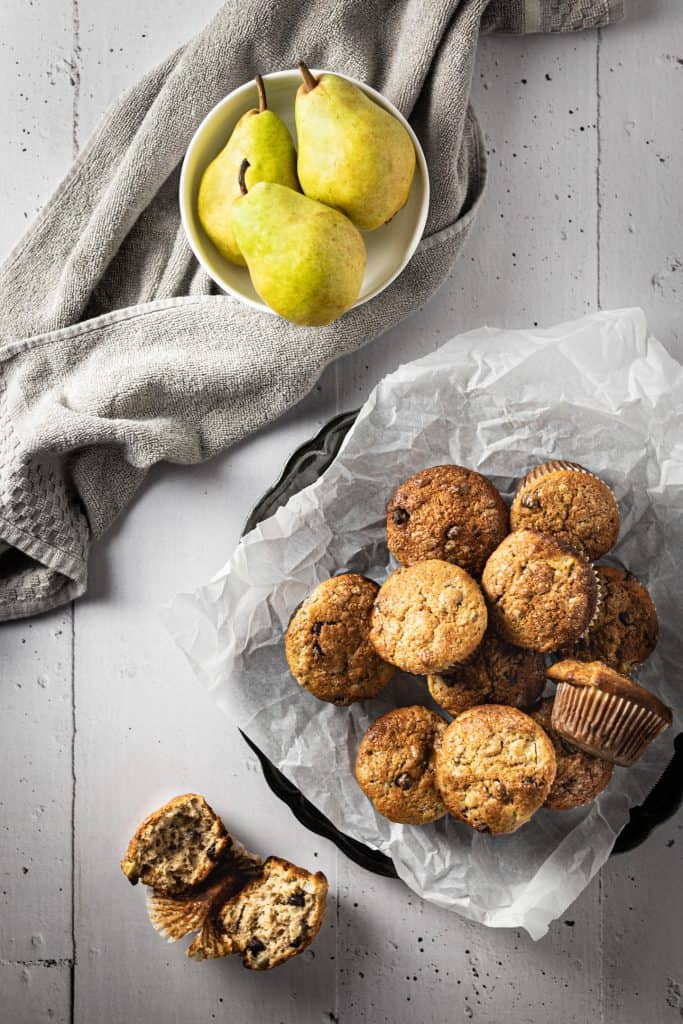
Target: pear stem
262	100
244	166
310	81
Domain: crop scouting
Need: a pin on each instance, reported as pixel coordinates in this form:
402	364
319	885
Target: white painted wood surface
101	719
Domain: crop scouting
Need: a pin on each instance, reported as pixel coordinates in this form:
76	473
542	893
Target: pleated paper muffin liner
604	724
599	601
553	466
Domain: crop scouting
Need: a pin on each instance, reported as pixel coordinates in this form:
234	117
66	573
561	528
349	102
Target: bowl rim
186	205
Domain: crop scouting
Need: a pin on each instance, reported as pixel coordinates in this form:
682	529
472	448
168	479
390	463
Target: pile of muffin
488	604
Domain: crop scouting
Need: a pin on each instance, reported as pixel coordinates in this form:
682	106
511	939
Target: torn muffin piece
272	918
195	911
176	847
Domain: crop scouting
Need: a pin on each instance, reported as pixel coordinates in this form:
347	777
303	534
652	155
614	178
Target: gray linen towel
115	351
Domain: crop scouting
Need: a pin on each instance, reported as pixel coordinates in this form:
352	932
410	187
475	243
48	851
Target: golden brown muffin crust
580	776
626	627
567	501
495	768
497	673
542	594
395	766
327	642
602	677
446	512
427	617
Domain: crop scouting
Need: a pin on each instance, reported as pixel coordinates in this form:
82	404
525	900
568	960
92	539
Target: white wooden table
100	717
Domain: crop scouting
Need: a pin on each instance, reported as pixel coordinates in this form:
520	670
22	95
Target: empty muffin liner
612	727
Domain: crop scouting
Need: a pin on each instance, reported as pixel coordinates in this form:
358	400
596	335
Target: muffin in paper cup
542	592
569	502
605	713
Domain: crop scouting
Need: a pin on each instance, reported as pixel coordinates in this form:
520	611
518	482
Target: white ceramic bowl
389	247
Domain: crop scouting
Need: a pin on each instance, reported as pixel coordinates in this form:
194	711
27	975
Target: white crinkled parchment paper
598	391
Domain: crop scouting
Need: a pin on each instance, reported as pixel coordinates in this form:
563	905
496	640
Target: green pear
306	260
261	138
353	155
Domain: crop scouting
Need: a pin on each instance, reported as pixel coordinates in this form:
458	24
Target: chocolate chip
626	618
530	501
403	781
316	628
317	650
452	532
255	946
211	852
529	780
400	516
297	899
295	943
501	792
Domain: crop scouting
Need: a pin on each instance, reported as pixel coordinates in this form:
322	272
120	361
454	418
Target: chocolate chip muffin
605	713
428	617
497	673
580	776
569	502
542	594
495	768
327	642
626	627
446	512
176	847
395	766
274	917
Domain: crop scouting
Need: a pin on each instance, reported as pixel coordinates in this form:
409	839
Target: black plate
304	467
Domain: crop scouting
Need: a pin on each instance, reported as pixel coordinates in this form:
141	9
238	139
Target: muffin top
427	617
327	642
602	677
565	500
495	767
497	673
626	628
580	776
446	512
542	594
395	766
